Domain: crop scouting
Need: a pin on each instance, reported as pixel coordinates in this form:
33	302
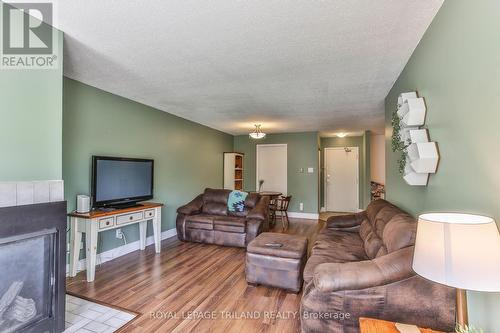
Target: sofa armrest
260	211
351	221
253	229
396	266
192	207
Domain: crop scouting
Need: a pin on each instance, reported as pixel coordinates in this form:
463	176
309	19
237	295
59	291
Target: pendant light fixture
257	134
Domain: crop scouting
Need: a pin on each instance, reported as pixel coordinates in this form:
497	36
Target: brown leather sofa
361	266
206	219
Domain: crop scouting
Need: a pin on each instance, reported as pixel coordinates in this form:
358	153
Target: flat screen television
119	182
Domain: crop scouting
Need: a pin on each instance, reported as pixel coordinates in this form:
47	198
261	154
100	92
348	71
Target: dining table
271	194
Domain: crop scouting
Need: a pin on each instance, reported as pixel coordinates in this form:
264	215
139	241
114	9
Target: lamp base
462	316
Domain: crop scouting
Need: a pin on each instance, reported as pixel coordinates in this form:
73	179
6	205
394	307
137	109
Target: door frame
325	168
257	162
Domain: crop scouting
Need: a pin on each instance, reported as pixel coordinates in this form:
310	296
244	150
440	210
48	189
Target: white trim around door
281	171
354	150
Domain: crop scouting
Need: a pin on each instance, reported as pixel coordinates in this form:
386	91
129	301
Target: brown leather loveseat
361	266
206	219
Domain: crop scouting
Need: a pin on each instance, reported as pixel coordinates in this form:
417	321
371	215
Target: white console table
96	221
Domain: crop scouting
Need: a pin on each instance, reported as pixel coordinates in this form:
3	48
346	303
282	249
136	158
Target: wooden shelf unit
233	171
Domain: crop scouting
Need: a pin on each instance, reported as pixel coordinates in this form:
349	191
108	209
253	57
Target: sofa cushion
215	201
399	233
371	241
215	196
380	214
200	221
229	224
333	246
374	208
214	208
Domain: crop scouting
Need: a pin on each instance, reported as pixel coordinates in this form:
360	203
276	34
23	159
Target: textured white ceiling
290	65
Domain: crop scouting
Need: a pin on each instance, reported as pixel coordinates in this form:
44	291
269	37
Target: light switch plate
310	170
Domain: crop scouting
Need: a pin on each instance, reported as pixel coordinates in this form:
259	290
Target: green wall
31	122
364	164
188	156
456	67
302	153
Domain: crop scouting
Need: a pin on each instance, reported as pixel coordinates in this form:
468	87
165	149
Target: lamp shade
458	250
257	134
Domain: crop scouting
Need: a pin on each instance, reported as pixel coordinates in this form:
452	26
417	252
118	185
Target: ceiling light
342	135
257	134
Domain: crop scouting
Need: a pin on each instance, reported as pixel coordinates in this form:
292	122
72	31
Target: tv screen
118	180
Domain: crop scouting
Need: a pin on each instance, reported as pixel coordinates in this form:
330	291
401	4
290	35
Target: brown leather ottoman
276	266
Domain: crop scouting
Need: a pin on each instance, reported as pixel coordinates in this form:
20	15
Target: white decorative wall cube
414	178
412	112
405	134
423	157
418	135
405	96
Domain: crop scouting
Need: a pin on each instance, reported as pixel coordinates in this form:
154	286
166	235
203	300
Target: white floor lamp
461	251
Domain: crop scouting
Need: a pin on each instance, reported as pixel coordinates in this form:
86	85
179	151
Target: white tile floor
83	316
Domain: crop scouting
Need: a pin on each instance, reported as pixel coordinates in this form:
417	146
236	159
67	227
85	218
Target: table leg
142	234
91	248
75	241
157	230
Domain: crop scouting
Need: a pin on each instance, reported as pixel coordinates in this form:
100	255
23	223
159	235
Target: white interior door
342	179
272	167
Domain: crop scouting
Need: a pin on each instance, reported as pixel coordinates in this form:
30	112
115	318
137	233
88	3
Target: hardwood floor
192	287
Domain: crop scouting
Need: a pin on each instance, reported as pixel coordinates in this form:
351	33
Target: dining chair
281	205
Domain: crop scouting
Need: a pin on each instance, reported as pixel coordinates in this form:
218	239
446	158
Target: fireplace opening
27	280
32	267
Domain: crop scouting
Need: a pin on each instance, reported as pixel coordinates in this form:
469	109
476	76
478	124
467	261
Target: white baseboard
122	250
322	209
300	215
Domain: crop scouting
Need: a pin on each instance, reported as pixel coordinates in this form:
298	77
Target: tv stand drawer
106	223
127	218
149	213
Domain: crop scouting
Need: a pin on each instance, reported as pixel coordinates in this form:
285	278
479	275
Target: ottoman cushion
280	267
293	246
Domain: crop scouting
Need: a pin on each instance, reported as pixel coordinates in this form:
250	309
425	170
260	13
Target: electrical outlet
301	206
119	234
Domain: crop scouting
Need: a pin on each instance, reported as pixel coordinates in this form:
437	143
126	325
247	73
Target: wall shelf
414	178
422	156
412	112
406	135
405	96
419	135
